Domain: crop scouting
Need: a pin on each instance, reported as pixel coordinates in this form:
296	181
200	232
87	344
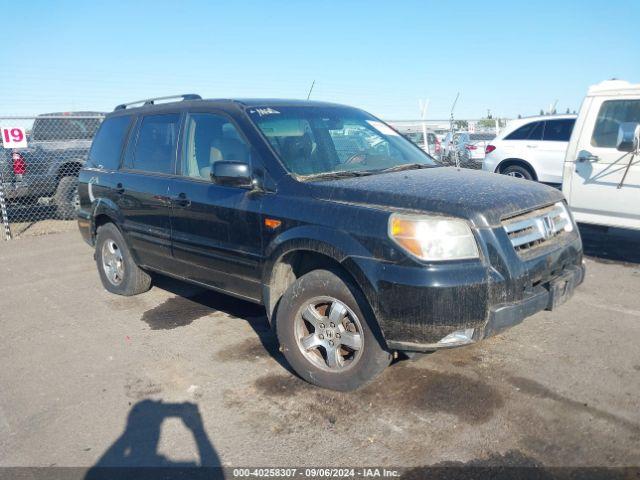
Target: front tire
118	271
328	334
517	171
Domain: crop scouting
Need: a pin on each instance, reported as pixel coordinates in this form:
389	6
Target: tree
461	124
541	112
568	110
519	116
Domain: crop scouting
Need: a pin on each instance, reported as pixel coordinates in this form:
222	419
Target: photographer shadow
135	453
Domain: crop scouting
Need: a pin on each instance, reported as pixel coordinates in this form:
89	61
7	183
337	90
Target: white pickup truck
601	176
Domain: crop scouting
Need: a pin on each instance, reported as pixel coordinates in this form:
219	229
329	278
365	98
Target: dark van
356	242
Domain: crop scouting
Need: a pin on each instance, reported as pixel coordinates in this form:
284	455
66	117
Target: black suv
354	240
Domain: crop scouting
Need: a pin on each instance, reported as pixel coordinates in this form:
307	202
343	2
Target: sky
510	57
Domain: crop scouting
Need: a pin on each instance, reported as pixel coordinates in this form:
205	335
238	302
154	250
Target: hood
482	197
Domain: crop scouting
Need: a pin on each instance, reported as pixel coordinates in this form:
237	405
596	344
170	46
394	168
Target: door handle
532	146
119	188
181	200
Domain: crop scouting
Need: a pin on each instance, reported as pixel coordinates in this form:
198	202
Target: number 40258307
14	137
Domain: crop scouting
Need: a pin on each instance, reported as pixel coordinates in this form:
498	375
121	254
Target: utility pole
423	105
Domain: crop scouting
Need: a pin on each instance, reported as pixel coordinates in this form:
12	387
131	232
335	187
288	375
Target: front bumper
444	306
543	297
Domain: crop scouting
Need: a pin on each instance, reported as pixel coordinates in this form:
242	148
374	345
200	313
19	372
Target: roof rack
152	101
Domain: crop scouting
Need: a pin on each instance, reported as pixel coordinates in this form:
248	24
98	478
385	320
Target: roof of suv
226	103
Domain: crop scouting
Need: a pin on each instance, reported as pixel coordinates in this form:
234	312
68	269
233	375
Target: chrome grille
535	228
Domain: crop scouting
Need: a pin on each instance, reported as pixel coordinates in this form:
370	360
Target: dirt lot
179	375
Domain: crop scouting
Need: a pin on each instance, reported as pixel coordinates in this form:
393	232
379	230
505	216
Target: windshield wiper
338	174
362	173
404	166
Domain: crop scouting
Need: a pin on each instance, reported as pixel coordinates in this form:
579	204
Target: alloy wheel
112	262
329	334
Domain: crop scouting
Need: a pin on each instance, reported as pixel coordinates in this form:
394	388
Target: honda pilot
356	242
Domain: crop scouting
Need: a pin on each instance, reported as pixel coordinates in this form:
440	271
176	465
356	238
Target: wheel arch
70	168
516	161
105	211
291	259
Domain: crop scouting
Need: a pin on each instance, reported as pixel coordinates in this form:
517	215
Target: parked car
448	148
465	149
416	135
58	144
473	149
532	148
355	254
602	165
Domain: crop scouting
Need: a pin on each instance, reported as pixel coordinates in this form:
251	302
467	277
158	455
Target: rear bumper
17	190
85	223
28	188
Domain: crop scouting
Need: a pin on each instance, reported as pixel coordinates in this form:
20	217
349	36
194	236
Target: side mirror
236	174
628	137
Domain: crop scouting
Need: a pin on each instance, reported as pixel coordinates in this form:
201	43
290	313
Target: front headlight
433	238
565	216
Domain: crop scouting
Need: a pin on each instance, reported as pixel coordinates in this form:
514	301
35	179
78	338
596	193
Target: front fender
332	243
337	245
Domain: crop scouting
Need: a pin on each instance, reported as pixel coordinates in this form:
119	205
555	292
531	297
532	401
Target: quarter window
530	131
156	146
107	146
558	130
211	138
612	113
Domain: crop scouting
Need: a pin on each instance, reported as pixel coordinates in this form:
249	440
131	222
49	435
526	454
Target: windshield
323	140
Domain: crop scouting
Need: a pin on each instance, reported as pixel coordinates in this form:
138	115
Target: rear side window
530	131
107	145
558	130
155	149
612	113
52	129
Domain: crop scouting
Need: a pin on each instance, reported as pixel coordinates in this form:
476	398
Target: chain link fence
460	143
39	163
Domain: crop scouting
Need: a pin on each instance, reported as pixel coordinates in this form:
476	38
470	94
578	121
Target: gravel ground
179	375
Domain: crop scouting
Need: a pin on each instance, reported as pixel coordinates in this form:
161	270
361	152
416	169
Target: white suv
532	148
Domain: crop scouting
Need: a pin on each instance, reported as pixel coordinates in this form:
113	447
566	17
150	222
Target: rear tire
517	171
328	333
118	271
65	198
